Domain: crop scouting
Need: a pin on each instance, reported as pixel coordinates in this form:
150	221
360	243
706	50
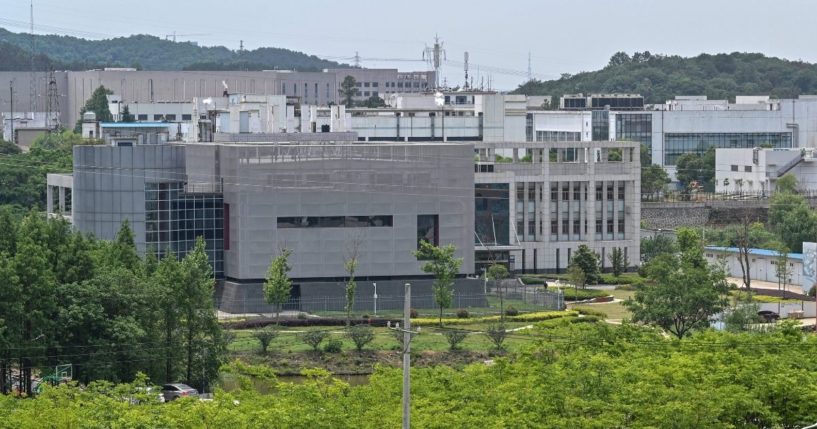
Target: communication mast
357	60
32	91
530	71
466	69
52	115
435	56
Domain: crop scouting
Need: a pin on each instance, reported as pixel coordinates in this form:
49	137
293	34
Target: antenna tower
435	56
32	91
52	115
466	69
530	70
357	60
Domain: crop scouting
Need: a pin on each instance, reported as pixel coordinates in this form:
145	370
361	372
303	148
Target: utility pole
11	100
375	297
407	358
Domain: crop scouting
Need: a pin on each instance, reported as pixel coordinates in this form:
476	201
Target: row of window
165	117
678	144
334	221
558	136
392	84
746	168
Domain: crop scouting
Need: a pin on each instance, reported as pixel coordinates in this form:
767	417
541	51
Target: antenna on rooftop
357	60
435	56
530	70
466	69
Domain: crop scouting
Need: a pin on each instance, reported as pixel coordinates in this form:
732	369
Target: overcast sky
562	36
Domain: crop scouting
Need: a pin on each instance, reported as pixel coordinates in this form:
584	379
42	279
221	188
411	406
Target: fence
716	196
535	300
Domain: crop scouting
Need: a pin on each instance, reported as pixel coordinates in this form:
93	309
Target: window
141	117
375	84
609	192
170	117
734	168
621	225
366	94
577	192
399	84
599	226
334	221
187	117
428	229
747	168
577	226
609	226
157	117
621	191
366	84
565	226
565	192
599	192
554	192
554	227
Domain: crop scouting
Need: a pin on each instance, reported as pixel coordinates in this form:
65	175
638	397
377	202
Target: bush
361	335
314	338
511	311
525	317
265	337
626	278
571	294
454	338
497	335
302	315
462	313
334	345
585	311
413	313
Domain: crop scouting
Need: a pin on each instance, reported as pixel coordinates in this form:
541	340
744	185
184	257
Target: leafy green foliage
23	175
791	217
683	293
314	338
98	103
588	262
603	377
147	52
95	305
497	334
441	262
265	337
334	345
374	102
454	338
660	77
348	90
653	179
657	245
360	335
278	286
618	261
699	168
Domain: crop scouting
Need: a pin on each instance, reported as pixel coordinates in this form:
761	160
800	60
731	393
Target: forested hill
661	77
153	53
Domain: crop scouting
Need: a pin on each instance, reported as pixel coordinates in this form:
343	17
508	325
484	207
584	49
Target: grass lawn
614	310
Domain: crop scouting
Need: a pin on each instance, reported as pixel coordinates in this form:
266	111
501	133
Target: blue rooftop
135	124
757	252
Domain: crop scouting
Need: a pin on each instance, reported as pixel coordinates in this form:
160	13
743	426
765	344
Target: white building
757	170
762	264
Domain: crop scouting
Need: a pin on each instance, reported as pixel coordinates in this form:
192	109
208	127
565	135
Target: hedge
526	317
316	321
572	294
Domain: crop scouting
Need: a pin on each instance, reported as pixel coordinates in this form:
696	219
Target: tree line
69	299
661	77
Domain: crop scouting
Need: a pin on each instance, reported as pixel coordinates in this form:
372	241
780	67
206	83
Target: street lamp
375	297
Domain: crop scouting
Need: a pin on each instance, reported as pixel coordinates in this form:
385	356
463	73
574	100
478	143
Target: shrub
462	313
511	311
571	294
524	317
585	311
301	315
497	335
361	335
454	338
265	337
314	338
413	313
334	345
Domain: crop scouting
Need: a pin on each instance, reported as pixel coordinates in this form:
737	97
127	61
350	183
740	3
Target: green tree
166	281
585	259
278	286
653	179
348	90
695	167
618	261
497	273
682	295
350	265
577	276
202	332
656	245
126	115
440	262
98	103
374	102
787	184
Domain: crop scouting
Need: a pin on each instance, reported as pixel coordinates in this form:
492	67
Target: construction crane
174	35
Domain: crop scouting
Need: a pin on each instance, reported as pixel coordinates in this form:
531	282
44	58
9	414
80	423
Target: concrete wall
109	185
234	297
263	182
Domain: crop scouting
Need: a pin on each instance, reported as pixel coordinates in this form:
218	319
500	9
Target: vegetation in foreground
594	376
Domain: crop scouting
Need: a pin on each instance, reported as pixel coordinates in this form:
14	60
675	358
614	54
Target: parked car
178	390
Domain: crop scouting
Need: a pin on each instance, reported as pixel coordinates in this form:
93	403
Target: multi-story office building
383	82
536	203
318	198
756	170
